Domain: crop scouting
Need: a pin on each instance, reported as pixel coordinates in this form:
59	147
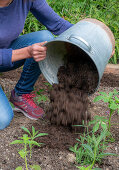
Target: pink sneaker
26	105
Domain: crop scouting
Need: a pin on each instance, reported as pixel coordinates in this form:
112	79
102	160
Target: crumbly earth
55	154
69	98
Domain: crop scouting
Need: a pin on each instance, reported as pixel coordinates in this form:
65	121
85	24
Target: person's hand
37	51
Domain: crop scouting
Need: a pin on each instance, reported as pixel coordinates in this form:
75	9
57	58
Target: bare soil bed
55	154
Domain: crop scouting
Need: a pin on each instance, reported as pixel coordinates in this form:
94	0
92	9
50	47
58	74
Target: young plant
41	97
99	121
28	142
92	145
40	91
48	85
113	103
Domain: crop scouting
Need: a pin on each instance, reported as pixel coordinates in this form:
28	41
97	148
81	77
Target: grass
106	11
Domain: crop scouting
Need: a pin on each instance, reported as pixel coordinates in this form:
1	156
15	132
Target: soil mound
69	98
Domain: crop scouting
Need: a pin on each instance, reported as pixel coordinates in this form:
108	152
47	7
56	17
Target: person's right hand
37	51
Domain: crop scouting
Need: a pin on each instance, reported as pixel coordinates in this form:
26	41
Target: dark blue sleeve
6	57
45	14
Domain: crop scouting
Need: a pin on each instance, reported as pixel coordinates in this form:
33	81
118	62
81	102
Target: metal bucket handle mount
87	45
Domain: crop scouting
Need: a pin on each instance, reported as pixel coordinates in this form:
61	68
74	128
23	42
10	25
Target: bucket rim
88	53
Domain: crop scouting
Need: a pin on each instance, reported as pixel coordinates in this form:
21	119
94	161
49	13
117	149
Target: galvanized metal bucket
90	35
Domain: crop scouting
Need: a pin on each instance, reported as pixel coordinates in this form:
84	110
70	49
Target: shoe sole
20	110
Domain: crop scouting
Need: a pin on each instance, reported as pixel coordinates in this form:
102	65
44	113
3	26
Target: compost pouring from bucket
93	41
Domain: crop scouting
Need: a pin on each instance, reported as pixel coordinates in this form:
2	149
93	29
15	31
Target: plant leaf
106	99
17	142
25	138
104	125
99	98
19	168
33	131
42	98
81	167
40	134
118	110
22	153
115	92
117	99
48	84
110	94
103	93
40	91
33	143
102	135
87	147
113	106
102	155
35	167
26	130
96	127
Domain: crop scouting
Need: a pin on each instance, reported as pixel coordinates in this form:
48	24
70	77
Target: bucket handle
82	40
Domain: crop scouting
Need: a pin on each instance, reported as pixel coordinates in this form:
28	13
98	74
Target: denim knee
32	38
6	112
46	35
40	36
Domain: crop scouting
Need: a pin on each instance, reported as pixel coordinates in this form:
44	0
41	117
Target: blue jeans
29	74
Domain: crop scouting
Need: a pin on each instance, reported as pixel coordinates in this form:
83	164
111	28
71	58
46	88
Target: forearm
9	56
37	51
20	54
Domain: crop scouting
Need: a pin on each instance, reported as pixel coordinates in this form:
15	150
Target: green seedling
48	84
91	149
41	96
28	141
91	146
40	91
99	121
113	103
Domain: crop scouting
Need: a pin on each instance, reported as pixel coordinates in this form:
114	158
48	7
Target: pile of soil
69	98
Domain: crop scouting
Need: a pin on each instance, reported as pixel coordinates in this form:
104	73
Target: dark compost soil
69	98
55	154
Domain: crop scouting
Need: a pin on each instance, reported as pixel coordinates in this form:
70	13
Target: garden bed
55	154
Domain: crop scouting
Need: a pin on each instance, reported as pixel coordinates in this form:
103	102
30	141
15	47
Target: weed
28	142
